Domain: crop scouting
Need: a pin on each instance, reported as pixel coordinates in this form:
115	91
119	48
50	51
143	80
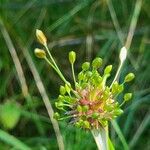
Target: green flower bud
109	107
103	122
78	124
108	69
85	108
60	98
40	53
118	112
86	66
127	97
81	76
115	87
106	95
72	57
129	77
68	87
62	90
79	108
86	124
69	99
97	62
59	105
88	74
56	115
84	85
81	122
95	115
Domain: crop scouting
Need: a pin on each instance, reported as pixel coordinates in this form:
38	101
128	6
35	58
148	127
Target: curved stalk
117	73
54	63
122	57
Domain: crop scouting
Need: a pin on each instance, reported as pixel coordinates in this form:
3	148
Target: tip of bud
72	57
37	30
85	65
123	54
129	77
41	37
40	53
127	96
97	62
108	69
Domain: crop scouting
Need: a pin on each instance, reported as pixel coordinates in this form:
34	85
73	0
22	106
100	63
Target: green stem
122	103
56	67
73	74
58	72
117	74
104	80
66	117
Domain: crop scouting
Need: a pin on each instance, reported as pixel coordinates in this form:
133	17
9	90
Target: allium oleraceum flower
90	103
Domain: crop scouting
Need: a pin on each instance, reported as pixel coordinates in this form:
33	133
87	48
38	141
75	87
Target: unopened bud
108	69
118	112
95	115
97	62
41	37
62	90
79	108
40	53
59	105
81	76
85	108
129	77
68	87
72	57
127	97
78	124
86	124
86	66
56	116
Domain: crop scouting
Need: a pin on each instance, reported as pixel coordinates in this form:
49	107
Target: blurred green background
90	28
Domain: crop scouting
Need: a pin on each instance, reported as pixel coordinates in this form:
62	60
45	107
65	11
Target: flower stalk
101	138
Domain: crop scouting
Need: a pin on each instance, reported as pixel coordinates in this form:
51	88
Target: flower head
92	103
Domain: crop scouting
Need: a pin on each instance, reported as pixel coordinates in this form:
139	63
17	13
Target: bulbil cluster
90	103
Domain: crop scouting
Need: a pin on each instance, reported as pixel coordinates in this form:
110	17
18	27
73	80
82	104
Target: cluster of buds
90	103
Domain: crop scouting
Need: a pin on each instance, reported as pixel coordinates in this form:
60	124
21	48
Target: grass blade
120	135
140	130
11	140
68	15
111	146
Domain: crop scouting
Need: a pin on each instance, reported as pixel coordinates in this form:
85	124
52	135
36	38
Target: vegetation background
89	27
